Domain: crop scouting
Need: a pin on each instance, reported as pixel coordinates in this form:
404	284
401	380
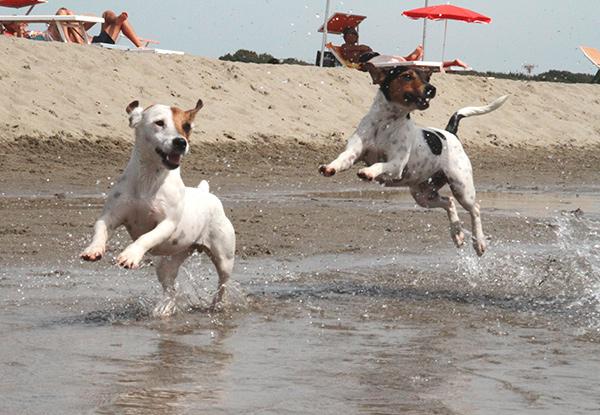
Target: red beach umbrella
17	4
447	12
20	3
339	21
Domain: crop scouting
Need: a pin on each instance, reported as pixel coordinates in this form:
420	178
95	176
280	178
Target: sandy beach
346	296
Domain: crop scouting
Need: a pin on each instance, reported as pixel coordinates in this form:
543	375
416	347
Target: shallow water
419	330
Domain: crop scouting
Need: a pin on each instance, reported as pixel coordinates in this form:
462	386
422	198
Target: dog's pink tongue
174	158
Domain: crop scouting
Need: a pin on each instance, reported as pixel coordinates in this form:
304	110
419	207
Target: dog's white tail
470	111
203	186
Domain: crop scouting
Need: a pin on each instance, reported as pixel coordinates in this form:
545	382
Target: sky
546	33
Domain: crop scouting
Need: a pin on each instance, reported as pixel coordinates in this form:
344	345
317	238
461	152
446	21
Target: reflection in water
186	367
423	330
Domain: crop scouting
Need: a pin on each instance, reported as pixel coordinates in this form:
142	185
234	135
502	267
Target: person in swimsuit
112	27
354	52
14	29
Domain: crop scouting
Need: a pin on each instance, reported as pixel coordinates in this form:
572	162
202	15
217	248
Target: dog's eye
160	123
187	127
407	77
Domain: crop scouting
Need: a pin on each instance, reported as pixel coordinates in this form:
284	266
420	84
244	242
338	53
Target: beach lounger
75	21
139	50
384	61
336	51
593	55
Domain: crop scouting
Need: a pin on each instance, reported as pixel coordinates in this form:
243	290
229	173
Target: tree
249	56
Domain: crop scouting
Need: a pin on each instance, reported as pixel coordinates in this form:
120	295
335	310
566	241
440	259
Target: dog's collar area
171	161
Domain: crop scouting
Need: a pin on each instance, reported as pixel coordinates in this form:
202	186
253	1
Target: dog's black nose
429	91
179	144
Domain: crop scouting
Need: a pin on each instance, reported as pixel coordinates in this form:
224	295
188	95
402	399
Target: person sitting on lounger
112	27
13	29
352	51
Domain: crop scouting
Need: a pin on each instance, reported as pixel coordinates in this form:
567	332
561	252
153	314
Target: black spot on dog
452	126
438	180
434	141
175	242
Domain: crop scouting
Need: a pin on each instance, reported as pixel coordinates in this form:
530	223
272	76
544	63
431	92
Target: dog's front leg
346	159
392	168
102	227
132	255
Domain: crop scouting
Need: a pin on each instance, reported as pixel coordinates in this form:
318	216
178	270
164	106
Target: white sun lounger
384	61
140	50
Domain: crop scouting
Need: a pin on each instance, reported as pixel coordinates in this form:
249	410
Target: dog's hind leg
427	196
166	271
464	192
221	251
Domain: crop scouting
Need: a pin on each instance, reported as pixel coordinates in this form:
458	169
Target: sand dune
75	92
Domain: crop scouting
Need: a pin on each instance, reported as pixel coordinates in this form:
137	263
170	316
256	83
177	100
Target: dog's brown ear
377	74
132	105
135	113
192	113
427	73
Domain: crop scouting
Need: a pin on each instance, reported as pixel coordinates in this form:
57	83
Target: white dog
161	215
398	153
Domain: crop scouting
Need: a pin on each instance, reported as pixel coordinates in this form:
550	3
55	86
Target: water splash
563	277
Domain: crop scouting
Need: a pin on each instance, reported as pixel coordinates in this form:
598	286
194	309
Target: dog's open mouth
422	103
171	160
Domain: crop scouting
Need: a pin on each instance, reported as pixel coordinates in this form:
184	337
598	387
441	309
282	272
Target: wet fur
399	153
161	214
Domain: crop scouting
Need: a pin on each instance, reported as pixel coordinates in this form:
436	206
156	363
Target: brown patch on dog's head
184	120
408	87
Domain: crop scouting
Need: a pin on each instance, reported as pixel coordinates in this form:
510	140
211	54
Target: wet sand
346	297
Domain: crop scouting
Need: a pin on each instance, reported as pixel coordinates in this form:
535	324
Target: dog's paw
131	257
457	234
365	175
92	253
459	239
326	171
167	307
479	246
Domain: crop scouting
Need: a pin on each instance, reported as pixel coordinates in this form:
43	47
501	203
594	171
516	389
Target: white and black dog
399	153
161	214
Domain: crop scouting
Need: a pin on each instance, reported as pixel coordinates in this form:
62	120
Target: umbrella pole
444	44
324	32
424	32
